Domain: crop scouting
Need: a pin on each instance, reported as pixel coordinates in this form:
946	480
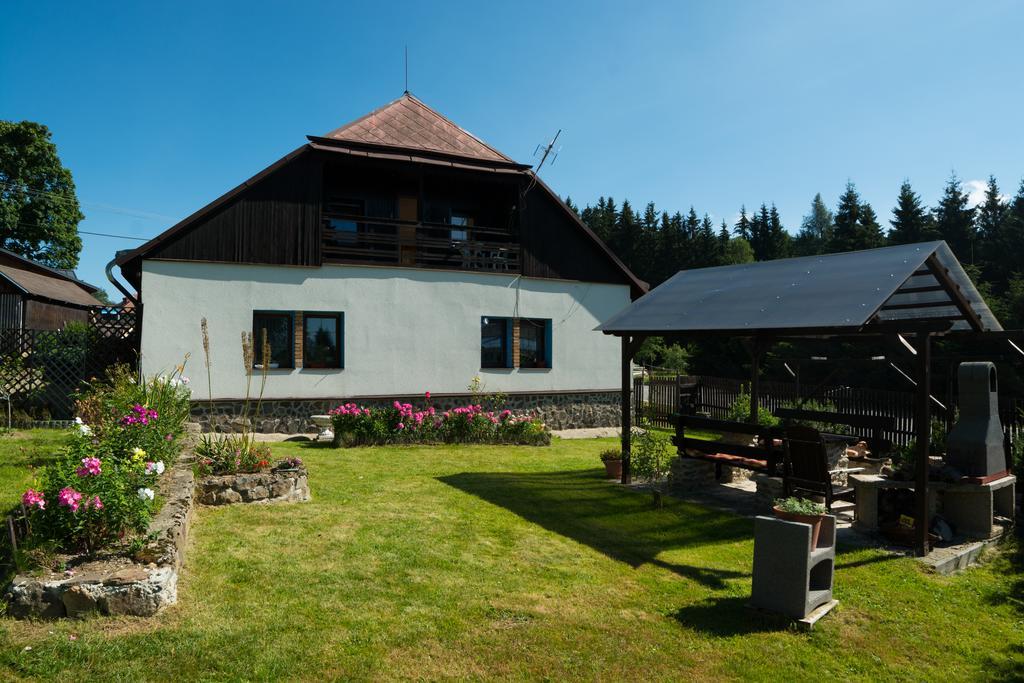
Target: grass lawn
511	562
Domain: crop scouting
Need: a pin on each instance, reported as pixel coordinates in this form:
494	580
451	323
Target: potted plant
612	459
801	510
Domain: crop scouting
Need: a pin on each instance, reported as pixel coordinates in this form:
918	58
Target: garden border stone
139	586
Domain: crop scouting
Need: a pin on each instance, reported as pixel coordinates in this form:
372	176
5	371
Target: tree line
988	238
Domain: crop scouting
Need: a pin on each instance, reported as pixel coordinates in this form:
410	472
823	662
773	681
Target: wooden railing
657	397
411	243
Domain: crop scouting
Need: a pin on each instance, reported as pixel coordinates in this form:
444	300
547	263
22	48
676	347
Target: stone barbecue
974	446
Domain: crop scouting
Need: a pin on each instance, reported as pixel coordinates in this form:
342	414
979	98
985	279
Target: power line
97	206
89	232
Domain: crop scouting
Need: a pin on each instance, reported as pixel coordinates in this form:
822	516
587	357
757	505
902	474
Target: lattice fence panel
43	369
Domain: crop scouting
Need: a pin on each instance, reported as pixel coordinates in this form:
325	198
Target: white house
396	255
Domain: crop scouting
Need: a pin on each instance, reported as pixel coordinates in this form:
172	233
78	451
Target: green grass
514	562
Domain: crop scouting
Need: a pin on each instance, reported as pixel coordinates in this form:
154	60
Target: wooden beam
922	427
941	274
627	415
919	290
921	304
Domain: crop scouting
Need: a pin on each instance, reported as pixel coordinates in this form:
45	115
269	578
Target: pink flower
401	425
427	395
69	498
90	467
97	504
33	497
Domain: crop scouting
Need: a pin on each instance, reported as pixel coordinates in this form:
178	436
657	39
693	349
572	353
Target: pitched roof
38	280
408	123
849	292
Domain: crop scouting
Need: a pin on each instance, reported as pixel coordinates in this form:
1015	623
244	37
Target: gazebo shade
830	294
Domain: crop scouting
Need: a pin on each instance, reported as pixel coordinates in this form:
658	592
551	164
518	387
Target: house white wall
406	330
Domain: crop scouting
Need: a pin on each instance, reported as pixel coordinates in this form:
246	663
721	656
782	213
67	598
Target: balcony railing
410	243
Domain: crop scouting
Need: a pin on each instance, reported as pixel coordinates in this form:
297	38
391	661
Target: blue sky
159	107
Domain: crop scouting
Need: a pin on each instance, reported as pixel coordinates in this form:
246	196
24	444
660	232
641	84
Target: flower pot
813	520
613	468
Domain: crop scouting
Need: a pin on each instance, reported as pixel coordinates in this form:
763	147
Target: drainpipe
113	280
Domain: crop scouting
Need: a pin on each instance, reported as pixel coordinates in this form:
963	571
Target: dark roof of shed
38	280
409	124
834	293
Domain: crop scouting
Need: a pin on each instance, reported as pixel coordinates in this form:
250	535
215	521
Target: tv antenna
547	150
407	69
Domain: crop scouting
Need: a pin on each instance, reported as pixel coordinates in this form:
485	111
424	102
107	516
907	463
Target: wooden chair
806	470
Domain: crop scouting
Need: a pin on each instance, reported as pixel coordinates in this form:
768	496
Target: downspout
113	280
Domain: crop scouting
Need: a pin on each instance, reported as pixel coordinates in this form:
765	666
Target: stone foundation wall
260	487
570	410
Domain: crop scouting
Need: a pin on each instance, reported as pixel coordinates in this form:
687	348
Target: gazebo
912	293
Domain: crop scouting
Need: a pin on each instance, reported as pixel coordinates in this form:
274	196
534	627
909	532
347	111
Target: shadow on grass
622	524
1010	667
729	616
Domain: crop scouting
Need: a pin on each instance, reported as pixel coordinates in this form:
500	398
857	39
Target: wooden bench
872	426
764	457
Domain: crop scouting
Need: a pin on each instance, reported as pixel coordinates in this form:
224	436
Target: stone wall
569	410
290	486
141	585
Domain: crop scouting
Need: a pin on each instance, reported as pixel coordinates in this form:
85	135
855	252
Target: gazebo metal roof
882	290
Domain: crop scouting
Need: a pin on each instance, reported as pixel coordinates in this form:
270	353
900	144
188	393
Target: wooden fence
656	396
42	369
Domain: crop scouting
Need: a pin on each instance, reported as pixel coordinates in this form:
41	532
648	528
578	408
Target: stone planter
140	586
286	486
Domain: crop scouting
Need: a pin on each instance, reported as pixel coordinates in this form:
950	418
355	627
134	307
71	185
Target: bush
123	413
739	411
356	425
100	489
651	452
611	454
821	407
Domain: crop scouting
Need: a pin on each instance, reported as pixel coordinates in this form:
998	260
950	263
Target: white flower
159	466
155	467
85	429
146	494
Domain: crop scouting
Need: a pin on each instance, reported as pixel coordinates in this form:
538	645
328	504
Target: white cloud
976	192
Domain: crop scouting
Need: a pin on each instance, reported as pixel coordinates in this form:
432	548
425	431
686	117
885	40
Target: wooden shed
37	297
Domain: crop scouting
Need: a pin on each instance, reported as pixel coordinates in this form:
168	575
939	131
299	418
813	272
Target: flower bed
96	510
356	425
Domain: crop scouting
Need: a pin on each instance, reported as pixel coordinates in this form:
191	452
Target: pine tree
572	207
742	227
954	220
815	230
1011	258
991	217
856	226
706	246
910	220
778	238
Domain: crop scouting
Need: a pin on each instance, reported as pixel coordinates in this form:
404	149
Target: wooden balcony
359	239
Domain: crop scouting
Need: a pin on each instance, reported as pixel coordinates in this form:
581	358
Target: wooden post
627	417
755	370
922	427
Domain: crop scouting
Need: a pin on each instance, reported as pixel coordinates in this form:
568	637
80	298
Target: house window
322	340
460	233
345	229
534	343
495	342
278	328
